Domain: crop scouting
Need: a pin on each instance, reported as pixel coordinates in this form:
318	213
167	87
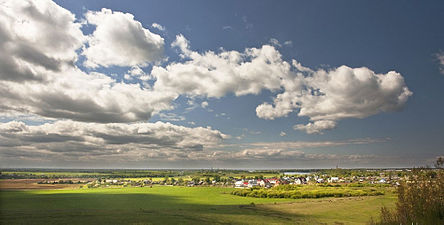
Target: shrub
291	191
296	195
420	200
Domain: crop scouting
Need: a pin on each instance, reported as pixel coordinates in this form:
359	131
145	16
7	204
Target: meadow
180	205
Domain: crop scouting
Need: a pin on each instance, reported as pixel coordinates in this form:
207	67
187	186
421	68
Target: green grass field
178	205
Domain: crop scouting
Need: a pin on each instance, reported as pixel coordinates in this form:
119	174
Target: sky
221	84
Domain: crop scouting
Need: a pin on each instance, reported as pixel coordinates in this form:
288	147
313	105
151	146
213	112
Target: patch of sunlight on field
354	210
177	205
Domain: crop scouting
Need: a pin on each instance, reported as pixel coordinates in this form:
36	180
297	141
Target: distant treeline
66	173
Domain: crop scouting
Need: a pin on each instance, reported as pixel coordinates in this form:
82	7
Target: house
239	184
190	184
300	180
333	179
273	181
252	183
265	183
282	182
297	181
286	179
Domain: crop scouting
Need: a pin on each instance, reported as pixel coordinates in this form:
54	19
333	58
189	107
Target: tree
439	163
196	179
420	199
166	179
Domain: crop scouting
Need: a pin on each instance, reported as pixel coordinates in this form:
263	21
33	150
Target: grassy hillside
178	205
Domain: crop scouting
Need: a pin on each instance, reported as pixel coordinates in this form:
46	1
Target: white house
333	179
273	181
252	183
239	184
265	183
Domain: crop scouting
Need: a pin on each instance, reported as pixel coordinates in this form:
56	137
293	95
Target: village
244	189
384	177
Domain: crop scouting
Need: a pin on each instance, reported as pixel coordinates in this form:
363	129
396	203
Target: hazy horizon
245	169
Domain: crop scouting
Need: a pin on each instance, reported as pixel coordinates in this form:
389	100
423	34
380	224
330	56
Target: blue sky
405	37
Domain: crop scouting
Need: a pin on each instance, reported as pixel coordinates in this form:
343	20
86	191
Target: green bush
420	200
321	191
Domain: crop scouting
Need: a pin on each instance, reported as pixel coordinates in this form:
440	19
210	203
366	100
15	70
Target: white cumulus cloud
328	96
120	40
216	74
38	75
316	126
90	97
324	96
158	26
94	115
36	36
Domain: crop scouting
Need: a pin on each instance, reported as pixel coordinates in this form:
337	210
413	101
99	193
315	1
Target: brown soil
24	184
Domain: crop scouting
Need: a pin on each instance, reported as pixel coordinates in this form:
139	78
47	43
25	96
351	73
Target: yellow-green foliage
420	200
308	191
